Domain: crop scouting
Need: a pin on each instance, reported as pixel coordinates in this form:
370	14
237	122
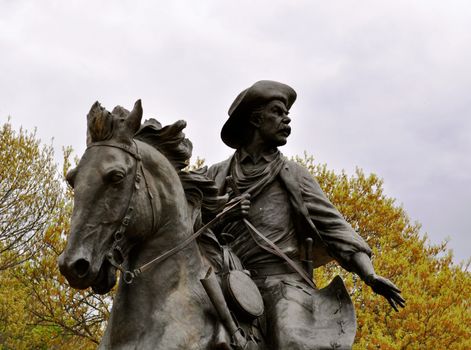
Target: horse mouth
81	277
106	278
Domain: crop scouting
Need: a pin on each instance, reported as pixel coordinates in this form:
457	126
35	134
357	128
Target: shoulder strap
277	251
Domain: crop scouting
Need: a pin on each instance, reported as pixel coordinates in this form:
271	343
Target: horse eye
115	176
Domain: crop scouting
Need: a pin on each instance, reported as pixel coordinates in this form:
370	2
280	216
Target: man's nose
286	119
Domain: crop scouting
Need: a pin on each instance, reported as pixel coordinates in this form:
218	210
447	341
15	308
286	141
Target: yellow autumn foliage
38	310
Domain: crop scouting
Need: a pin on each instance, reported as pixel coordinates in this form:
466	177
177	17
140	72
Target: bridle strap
124	147
119	234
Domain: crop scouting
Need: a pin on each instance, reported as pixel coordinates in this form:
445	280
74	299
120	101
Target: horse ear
133	121
99	124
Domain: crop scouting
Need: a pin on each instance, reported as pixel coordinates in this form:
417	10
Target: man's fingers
395	299
395	294
393	304
393	286
392	294
389	284
399	300
245	206
241	198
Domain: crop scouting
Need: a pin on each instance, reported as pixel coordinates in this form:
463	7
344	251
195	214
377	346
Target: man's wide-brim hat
260	93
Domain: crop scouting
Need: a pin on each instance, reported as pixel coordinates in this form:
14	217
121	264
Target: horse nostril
81	267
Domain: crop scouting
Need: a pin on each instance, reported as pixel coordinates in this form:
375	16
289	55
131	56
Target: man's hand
236	209
387	289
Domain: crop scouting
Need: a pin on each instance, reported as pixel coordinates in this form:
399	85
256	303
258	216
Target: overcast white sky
382	85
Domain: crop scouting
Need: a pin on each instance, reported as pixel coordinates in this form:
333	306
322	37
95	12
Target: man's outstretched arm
360	263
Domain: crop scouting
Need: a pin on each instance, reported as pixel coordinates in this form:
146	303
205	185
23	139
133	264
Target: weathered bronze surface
167	230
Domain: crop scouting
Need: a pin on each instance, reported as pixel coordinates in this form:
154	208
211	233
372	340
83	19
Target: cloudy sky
382	85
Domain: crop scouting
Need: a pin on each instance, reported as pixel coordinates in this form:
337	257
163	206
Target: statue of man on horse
259	220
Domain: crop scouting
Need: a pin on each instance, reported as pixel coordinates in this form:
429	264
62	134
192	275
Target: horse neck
172	222
169	287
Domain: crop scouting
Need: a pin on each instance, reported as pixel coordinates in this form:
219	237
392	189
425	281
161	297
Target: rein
119	235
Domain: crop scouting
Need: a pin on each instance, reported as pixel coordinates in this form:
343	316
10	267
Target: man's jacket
313	214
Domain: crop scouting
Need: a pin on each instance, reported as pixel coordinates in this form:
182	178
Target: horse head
104	181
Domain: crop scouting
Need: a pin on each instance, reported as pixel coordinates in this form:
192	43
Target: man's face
274	126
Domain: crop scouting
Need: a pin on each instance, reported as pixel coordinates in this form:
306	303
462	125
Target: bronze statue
211	259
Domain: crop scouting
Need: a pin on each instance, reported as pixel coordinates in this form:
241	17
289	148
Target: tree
37	307
29	191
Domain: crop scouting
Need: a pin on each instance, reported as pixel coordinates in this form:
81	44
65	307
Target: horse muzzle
80	274
77	270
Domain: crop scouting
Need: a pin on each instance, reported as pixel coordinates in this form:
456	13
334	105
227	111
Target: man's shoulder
222	164
297	170
219	167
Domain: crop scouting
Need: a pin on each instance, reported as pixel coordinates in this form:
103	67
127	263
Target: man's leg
288	312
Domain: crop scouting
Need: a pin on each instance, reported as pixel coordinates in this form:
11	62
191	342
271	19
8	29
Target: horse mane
169	140
201	192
